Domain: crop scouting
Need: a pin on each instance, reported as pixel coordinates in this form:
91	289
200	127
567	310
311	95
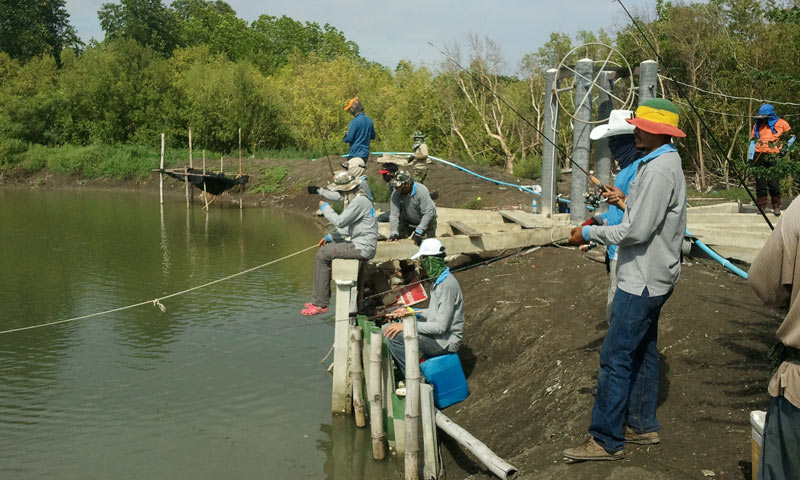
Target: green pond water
226	383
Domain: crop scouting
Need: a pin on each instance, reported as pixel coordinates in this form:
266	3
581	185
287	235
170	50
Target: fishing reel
593	198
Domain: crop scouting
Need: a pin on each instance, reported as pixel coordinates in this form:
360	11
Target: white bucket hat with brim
616	125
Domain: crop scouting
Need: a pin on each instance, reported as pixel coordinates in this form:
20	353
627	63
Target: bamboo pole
186	184
357	375
205	192
222	164
161	175
488	458
411	341
191	164
190	147
430	443
376	396
241	195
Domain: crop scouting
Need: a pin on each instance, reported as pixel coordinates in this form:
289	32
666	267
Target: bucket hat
429	247
343	182
658	116
616	125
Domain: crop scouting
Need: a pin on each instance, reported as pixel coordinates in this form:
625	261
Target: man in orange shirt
767	144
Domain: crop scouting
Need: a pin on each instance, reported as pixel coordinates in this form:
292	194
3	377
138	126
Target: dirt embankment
534	328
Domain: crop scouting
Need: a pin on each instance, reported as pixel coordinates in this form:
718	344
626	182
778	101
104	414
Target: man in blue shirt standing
360	131
623	150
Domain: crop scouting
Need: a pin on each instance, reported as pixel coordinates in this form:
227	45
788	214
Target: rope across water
156	302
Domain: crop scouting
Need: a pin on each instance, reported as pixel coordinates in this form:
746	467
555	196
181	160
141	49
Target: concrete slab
403	249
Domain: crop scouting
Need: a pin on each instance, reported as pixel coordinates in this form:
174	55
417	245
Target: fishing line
524	119
710	133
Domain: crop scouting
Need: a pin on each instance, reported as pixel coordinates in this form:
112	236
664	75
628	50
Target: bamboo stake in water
241	195
376	396
161	175
205	192
186	183
357	375
411	341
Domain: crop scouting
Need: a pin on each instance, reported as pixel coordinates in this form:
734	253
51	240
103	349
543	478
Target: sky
389	31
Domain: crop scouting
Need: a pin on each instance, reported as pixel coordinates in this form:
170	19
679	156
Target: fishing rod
563	153
683	95
472	265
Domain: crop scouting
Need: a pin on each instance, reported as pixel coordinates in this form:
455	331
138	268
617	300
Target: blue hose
724	262
498	182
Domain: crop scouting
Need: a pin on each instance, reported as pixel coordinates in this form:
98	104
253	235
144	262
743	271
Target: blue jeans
627	385
780	442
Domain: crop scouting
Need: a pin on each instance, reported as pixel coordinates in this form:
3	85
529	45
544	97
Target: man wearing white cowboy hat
356	237
623	150
441	325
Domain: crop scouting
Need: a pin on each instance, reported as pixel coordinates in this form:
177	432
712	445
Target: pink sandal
312	309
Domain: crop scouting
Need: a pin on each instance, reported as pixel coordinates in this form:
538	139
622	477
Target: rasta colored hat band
658	116
350	103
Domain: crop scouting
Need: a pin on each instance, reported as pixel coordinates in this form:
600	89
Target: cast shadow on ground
468	359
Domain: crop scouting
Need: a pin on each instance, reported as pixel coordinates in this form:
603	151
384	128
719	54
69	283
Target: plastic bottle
534	207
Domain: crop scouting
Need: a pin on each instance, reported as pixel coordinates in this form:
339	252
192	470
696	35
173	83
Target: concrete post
581	142
345	274
548	205
648	80
602	162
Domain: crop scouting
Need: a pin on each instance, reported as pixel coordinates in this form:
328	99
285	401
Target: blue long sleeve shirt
614	214
359	134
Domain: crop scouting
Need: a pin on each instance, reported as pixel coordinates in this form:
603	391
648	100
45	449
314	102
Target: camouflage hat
418	134
400	178
343	182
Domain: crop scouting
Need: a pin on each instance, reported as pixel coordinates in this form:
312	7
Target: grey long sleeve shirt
652	229
357	222
444	318
416	209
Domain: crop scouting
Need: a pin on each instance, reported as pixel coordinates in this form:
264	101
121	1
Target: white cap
616	125
428	247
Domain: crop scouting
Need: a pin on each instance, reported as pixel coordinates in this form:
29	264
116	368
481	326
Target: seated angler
355	167
412	213
356	237
441	325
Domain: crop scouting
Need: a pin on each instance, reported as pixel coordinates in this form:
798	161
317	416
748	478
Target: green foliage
380	189
29	29
10	150
529	167
737	193
148	22
270	180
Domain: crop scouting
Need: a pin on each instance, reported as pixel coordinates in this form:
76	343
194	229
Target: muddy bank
534	327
